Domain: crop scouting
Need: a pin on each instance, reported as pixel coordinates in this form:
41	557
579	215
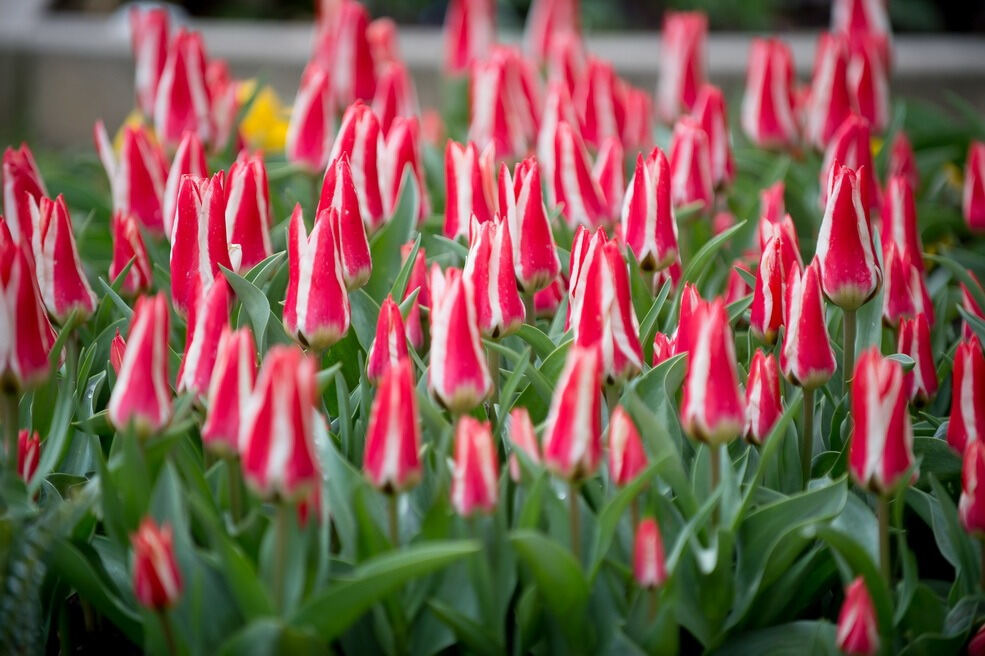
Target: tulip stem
651	609
529	309
235	495
807	437
849	349
882	510
8	413
716	465
635	510
574	520
280	551
612	394
168	631
393	500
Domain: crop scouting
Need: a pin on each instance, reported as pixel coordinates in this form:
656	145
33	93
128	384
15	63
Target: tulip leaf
111	294
538	341
255	301
648	327
816	637
702	259
270	635
476	637
364	313
905	360
385	245
959	272
974	322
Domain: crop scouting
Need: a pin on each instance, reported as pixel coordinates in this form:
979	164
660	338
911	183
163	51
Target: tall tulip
390	345
128	244
682	63
22	184
973	198
648	222
828	103
157	581
360	140
149	41
207	320
393	436
459	376
312	126
475	472
858	633
61	277
967	423
763	404
230	387
248	210
339	192
769	116
137	174
183	102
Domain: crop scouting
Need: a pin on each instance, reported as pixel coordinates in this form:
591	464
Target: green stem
714	451
612	395
529	309
807	437
280	551
574	519
651	610
849	350
635	512
9	414
235	491
168	632
394	519
883	516
493	358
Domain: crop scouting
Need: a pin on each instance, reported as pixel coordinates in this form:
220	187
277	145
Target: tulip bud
649	566
967	422
535	260
914	341
769	116
231	384
850	147
383	41
648	221
772	207
489	267
470	187
359	139
141	396
61	277
28	335
278	424
137	175
902	161
149	41
189	159
573	441
867	78
860	17
316	307
558	107
626	455
183	102
248	210
575	187
156	578
128	244
906	293
608	171
459	376
400	153
342	48
475	473
690	164
206	322
711	113
766	314
390	345
339	192
971	505
973	199
807	359
969	304
545	21
28	454
691	303
637	130
828	103
599	101
663	348
850	274
418	280
393	436
198	240
881	449
503	108
858	633
395	95
117	347
523	438
899	220
312	126
763	404
682	62
712	406
789	244
224	91
470	32
547	301
22	184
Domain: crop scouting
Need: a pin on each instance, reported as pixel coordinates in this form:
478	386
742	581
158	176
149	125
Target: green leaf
702	259
474	636
364	314
905	361
332	611
816	638
959	272
271	636
254	300
400	282
538	341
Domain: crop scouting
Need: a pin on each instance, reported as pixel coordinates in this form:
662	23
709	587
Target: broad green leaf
272	636
538	341
476	637
255	301
816	638
698	264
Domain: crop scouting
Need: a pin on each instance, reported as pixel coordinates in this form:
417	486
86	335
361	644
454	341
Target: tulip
359	138
858	633
61	277
971	305
390	345
206	322
763	404
224	91
470	32
598	99
637	130
736	288
690	164
470	187
342	47
475	472
149	41
914	341
806	358
772	207
649	566
278	424
157	580
691	303
383	42
400	154
28	454
905	294
230	387
312	126
198	240
547	301
789	244
316	307
971	505
128	244
710	111
558	107
573	441
137	175
860	17
608	171
574	184
27	334
663	348
626	455
458	376
489	267
339	193
117	347
524	439
850	147
248	210
418	280
183	102
503	104
22	184
973	199
189	159
579	250
393	436
867	78
535	261
902	161
141	396
828	103
712	406
682	63
395	95
546	20
899	220
882	438
648	222
769	116
967	422
766	314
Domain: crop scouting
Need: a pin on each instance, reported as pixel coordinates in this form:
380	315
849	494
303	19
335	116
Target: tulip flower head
973	198
858	632
28	454
573	441
524	439
22	184
157	581
626	455
475	473
807	359
682	63
967	422
769	116
763	404
312	126
648	222
649	566
230	387
393	436
390	345
61	277
971	505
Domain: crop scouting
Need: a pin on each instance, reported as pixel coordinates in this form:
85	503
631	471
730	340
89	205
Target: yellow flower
135	117
955	177
264	126
875	145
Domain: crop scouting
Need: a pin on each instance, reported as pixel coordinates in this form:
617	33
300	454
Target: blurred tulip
128	244
663	348
545	20
736	288
858	632
766	313
690	165
971	505
342	47
503	105
682	63
28	454
769	115
850	147
61	278
470	187
711	113
828	104
183	102
137	175
860	17
339	193
393	436
789	244
547	301
312	126
390	345
973	199
22	184
763	404
149	41
359	138
608	171
157	580
914	341
905	293
967	422
475	472
489	268
470	32
418	280
535	260
807	359
230	387
224	91
248	210
401	153
649	566
626	455
573	439
637	129
970	304
558	107
868	79
899	220
395	95
117	347
772	207
902	161
566	59
648	222
189	159
523	438
575	187
208	319
459	376
598	99
383	41
691	303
